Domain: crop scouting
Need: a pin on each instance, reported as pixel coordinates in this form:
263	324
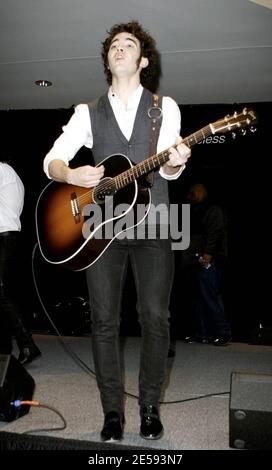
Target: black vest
108	139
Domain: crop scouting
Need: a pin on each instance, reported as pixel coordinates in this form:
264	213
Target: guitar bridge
75	207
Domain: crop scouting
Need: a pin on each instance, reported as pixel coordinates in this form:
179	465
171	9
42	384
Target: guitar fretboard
155	161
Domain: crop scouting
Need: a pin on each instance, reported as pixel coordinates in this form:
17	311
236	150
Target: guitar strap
155	114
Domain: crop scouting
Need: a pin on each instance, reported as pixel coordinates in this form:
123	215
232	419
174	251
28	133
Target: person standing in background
11	206
208	255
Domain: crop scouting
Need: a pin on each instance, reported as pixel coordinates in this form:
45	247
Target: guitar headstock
247	118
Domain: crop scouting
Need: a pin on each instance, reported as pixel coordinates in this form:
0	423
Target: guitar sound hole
106	188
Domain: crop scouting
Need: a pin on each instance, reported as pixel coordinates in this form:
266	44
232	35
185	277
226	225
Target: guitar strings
126	175
123	177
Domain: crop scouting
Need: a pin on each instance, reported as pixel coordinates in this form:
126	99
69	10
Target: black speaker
250	414
15	384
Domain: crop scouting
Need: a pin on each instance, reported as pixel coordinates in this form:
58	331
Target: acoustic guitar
76	225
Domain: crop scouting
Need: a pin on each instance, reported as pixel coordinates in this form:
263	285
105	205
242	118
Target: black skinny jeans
152	266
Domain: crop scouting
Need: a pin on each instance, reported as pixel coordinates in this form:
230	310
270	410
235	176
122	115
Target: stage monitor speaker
250	413
15	384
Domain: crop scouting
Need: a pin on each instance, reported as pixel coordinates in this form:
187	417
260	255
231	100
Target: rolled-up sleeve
170	130
76	134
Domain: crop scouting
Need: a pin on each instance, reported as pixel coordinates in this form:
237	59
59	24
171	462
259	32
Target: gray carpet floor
196	370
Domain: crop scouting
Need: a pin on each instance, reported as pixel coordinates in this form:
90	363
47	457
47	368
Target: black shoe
113	427
196	339
190	339
29	354
221	341
208	339
151	426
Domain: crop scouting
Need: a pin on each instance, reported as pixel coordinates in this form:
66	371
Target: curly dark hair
150	75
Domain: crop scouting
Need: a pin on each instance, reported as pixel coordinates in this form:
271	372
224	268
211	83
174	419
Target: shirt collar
133	100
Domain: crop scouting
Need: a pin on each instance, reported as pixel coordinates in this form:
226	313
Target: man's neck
125	87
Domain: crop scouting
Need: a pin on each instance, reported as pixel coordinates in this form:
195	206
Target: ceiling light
43	83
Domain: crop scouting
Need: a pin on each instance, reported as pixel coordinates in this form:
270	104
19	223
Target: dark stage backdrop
235	172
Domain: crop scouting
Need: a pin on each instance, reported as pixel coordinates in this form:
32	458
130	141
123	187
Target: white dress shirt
11	199
78	131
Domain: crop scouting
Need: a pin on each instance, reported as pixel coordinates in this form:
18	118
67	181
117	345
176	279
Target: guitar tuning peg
233	135
243	131
252	129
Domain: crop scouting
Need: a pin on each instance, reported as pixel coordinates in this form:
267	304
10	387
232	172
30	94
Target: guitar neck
237	121
155	161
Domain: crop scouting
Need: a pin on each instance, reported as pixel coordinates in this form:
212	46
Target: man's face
124	55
